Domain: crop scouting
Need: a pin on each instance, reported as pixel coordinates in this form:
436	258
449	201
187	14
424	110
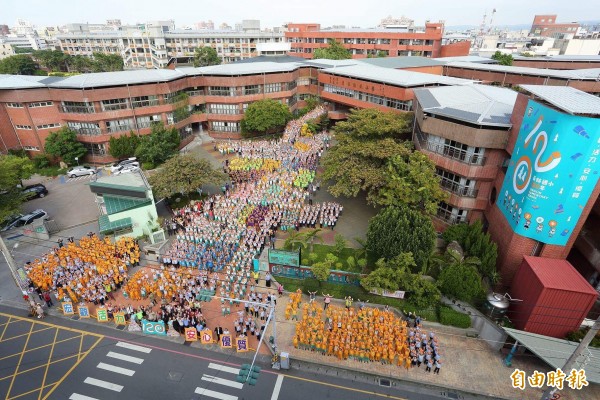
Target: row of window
221	126
369	98
456	184
451	148
31	105
25	127
31	148
48	126
450	214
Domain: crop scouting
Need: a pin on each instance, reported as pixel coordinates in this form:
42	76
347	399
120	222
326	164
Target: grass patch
50	171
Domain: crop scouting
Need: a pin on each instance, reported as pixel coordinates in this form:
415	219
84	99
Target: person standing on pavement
48	299
349	300
268	279
438	365
39	310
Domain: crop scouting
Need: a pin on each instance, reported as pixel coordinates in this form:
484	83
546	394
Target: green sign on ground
283	257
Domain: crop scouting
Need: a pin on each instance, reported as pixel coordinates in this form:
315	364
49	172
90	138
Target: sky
362	13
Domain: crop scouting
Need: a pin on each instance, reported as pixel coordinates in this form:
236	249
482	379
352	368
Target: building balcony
447	217
452	153
457	189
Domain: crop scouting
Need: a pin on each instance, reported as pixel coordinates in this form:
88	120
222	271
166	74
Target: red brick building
410	41
546	25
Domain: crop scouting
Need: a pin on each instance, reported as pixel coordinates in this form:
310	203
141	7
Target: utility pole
549	393
12	265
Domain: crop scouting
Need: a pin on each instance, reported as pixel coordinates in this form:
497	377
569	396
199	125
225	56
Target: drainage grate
75	317
385	382
451	395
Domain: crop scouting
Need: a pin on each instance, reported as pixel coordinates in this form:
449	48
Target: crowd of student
362	334
86	271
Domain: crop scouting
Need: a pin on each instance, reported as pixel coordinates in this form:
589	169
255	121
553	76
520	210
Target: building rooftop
579	74
264	67
566	98
473	59
402	62
21	81
562	57
395	77
103	79
132	181
326	63
477	104
558	274
275	59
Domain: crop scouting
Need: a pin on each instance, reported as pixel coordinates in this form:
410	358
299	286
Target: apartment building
546	26
398	41
154	45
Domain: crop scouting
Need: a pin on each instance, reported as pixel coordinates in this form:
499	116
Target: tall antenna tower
491	21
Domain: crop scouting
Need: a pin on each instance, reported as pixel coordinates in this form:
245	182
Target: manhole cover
385	382
174	376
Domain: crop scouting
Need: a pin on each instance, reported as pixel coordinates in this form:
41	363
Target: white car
126	169
81	170
22	220
123	163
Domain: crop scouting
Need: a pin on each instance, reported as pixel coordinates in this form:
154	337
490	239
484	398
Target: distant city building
26	42
23	27
402	22
6	50
113	22
404	41
546	25
225	27
205	25
4	30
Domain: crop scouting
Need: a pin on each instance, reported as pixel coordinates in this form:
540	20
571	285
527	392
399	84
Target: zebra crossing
211	380
120	354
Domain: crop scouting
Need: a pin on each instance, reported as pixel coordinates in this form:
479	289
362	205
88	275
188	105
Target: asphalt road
57	358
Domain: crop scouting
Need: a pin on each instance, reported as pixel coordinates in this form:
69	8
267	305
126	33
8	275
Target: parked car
25	220
34	191
122	163
80	170
126	169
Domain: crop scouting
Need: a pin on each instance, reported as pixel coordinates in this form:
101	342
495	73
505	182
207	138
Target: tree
412	181
106	62
311	236
159	145
79	63
503	59
396	230
322	269
365	143
476	243
21	64
381	54
13	170
123	146
295	239
206	56
340	244
53	60
335	51
460	278
63	144
265	116
184	174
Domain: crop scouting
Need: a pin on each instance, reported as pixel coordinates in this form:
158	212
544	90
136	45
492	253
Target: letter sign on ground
102	315
226	341
67	308
551	175
154	328
120	318
84	311
206	336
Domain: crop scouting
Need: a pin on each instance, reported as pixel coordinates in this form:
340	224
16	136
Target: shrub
448	316
41	161
147	166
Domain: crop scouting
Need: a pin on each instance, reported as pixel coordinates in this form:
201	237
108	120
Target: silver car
81	170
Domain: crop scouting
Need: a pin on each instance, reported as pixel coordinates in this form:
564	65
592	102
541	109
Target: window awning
107	226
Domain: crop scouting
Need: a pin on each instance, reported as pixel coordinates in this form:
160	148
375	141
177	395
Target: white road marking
77	396
134	347
221	381
103	384
124	357
215	395
114	368
224	368
277	387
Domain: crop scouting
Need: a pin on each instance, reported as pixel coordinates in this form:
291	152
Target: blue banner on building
551	175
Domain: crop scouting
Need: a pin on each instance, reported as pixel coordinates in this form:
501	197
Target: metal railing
451	152
450	218
458	189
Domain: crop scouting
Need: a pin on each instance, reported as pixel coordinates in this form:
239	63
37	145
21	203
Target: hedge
449	316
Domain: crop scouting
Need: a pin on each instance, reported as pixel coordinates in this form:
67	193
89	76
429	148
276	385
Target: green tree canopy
503	59
79	63
159	145
13	170
412	181
460	278
63	144
184	174
396	230
206	56
54	60
395	274
365	143
475	243
265	116
335	51
20	64
123	146
106	62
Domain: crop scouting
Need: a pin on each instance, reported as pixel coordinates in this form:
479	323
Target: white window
14	105
41	104
48	126
25	127
31	148
220	126
223	109
272	87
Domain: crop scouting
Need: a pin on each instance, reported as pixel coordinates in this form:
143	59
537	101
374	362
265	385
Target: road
58	358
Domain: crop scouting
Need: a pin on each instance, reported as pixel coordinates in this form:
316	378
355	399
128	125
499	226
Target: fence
304	272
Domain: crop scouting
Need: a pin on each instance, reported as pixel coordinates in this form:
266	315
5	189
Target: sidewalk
469	365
